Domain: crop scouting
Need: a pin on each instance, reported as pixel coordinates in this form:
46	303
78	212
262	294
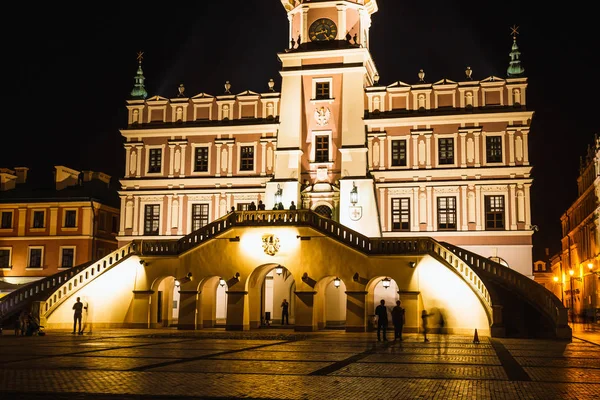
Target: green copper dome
515	69
139	92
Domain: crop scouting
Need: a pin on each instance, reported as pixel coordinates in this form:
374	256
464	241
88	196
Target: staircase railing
541	297
55	287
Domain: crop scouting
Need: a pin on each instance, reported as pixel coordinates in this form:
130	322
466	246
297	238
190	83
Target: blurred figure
443	331
424	316
382	320
398	320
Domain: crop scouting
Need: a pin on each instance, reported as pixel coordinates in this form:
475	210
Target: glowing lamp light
555	278
278	270
386	282
571	272
336	282
221	282
354	194
278	194
591	266
177	282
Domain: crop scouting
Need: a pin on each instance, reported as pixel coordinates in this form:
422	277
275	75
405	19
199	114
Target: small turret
515	69
139	92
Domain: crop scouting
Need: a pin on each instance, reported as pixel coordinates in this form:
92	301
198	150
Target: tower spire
139	92
515	69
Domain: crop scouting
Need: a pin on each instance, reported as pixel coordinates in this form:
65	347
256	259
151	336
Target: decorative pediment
492	79
203	96
398	84
444	82
156	98
248	93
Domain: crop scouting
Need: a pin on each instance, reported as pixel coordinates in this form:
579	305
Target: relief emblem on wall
270	244
322	116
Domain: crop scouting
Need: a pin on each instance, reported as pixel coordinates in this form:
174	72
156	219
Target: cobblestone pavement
281	364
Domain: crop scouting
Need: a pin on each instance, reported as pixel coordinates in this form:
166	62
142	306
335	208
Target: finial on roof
181	89
468	72
227	87
139	91
421	76
376	79
515	69
271	85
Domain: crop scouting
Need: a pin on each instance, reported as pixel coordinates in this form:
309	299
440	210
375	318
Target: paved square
271	364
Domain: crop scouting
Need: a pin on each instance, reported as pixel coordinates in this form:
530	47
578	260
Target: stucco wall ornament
322	116
270	244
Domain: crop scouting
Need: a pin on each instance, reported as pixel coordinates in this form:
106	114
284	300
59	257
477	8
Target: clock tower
321	155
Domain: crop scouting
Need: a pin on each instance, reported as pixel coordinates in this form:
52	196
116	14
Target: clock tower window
322	91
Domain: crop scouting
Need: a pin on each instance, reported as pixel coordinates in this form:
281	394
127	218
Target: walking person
284	312
78	307
424	317
398	320
382	320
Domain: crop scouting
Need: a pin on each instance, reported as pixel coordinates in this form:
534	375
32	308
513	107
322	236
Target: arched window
324	211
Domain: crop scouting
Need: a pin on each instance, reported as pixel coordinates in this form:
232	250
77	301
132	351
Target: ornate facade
446	159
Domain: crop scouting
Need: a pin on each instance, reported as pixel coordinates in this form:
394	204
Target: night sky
74	70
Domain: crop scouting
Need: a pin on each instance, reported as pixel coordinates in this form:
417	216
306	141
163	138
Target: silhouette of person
424	317
443	324
261	206
292	206
232	209
398	320
78	307
382	320
284	312
252	207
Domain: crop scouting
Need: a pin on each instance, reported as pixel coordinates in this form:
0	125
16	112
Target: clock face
322	29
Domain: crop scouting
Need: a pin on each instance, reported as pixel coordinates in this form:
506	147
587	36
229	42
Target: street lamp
278	195
354	194
336	282
222	282
386	282
279	270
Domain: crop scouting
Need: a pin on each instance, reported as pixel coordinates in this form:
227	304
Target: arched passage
161	304
267	286
330	303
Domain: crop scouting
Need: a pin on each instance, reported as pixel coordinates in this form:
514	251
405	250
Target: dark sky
73	70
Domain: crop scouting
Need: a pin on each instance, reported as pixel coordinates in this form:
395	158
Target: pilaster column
187	310
122	215
136	213
370	157
229	201
511	147
341	16
428	150
305	315
414	212
182	166
463	149
527	204
215	206
356	311
180	214
230	160
429	208
218	172
513	207
172	159
263	158
463	203
415	151
476	135
290	20
236	305
381	152
127	155
139	151
53	221
383	216
525	144
169	223
304	25
478	206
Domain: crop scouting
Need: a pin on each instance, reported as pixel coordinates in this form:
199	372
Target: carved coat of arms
322	116
270	244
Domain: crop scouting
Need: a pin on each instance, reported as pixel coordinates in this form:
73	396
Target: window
321	148
6	222
401	214
35	257
201	159
38	219
70	218
446	151
398	153
151	219
494	212
322	90
324	210
242	206
5	258
155	161
199	216
493	146
115	224
446	213
67	257
247	158
101	221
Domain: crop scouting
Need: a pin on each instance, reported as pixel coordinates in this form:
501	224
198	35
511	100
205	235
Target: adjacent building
576	270
53	224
